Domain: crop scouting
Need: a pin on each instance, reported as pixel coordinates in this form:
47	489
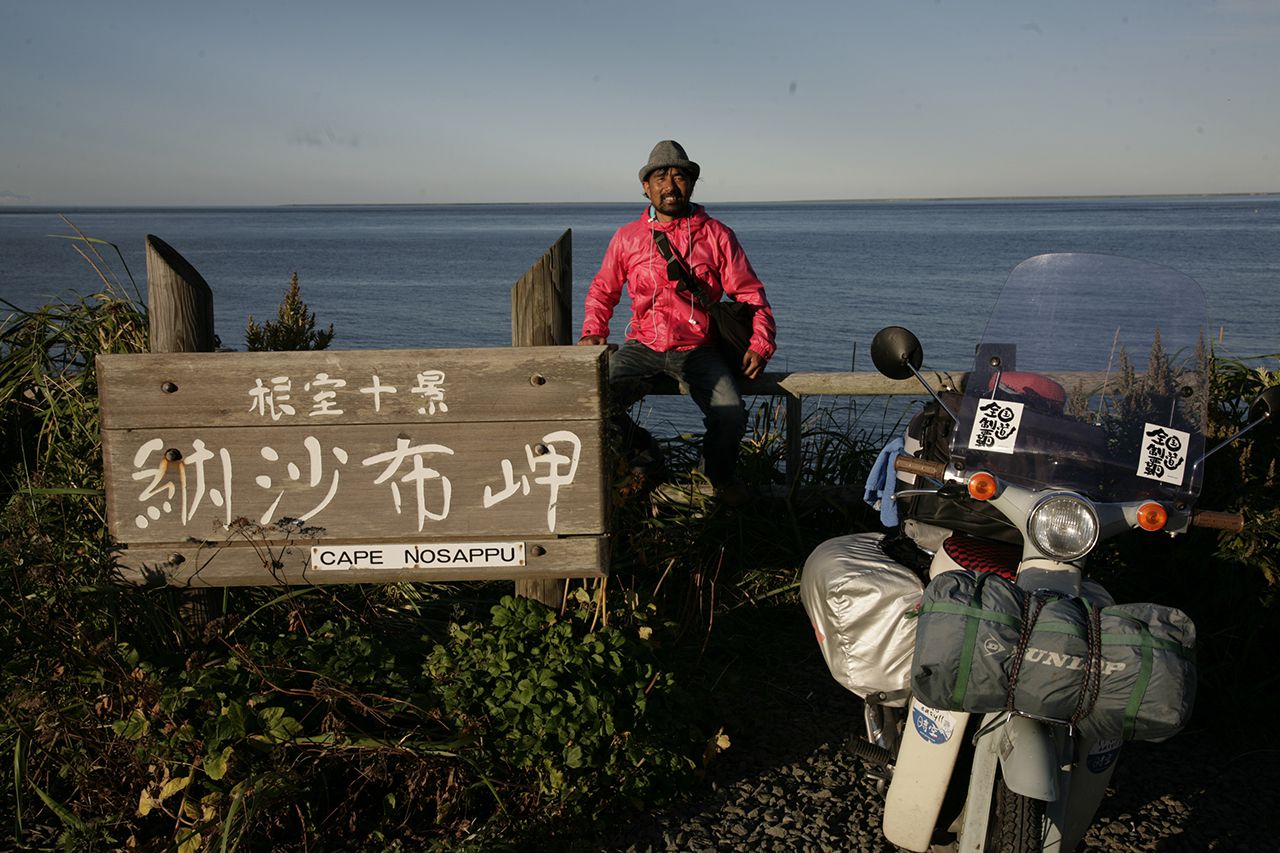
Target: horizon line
880	200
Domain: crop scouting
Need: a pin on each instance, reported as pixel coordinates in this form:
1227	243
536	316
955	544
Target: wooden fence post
179	302
541	314
541	301
180	311
795	432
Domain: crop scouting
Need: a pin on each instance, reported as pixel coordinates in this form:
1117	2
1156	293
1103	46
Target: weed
293	329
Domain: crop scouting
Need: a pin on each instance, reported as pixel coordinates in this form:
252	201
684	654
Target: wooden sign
356	466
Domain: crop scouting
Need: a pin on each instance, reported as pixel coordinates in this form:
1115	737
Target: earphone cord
688	229
688	253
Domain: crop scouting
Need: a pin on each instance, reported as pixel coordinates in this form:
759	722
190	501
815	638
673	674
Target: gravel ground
788	784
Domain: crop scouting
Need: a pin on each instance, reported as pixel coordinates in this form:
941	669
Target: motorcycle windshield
1092	376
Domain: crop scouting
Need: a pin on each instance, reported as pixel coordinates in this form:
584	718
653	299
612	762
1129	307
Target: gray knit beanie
669	153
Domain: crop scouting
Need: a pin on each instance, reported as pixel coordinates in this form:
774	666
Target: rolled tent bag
1124	672
1158	685
858	601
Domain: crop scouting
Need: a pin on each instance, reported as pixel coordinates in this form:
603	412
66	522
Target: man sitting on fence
673	249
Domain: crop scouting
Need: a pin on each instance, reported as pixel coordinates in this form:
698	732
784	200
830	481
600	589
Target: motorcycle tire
1017	822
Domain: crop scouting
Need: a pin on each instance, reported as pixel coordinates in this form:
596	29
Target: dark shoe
733	494
644	479
693	490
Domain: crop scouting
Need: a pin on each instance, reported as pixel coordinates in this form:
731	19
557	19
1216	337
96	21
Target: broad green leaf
133	726
215	764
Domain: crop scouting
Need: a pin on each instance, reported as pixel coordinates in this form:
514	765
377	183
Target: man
669	332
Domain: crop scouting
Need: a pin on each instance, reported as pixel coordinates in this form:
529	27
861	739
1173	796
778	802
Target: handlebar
922	467
1232	521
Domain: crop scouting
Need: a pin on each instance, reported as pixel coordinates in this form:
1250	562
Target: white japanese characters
315	475
544	455
274	398
190	470
418	475
431	387
301	482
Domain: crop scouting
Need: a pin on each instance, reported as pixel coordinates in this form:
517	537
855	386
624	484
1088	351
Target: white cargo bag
857	599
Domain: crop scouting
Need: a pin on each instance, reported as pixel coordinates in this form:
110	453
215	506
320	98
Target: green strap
1071	629
966	658
1145	639
970	611
1140	688
973	614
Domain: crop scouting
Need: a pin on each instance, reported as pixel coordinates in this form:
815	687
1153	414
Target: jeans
712	386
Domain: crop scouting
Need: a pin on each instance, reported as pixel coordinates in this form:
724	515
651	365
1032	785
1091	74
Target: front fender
1028	753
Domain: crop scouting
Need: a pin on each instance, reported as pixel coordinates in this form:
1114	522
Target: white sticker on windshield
1164	454
995	428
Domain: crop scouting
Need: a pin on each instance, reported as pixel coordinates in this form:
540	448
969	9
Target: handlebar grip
1232	521
923	467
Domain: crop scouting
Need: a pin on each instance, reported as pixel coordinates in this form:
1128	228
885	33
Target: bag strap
678	272
1032	604
1091	686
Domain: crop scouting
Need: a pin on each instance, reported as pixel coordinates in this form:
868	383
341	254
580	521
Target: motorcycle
1083	419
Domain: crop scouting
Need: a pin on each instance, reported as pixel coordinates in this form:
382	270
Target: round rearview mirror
895	350
1267	405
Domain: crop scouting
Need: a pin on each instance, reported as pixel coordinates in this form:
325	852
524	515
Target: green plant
48	385
286	731
294	329
1244	476
590	717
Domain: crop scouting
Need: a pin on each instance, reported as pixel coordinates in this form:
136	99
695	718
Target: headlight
1063	526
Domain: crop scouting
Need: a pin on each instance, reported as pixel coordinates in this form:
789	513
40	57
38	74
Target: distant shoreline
21	208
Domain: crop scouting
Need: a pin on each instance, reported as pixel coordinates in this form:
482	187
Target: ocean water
440	276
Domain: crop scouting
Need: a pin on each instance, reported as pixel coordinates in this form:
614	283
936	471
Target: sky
264	103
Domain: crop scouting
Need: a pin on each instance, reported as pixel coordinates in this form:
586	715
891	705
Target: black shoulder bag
731	321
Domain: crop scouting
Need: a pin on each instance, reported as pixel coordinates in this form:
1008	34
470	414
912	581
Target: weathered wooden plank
377	386
442	480
265	563
815	384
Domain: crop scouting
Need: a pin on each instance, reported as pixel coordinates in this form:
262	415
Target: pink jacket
662	318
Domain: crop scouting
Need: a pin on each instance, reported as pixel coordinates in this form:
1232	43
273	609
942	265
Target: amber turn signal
982	486
1152	516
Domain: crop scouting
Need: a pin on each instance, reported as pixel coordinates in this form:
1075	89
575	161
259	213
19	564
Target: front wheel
1017	824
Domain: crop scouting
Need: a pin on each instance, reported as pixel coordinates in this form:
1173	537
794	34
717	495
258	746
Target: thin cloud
7	195
1249	8
326	138
1032	27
